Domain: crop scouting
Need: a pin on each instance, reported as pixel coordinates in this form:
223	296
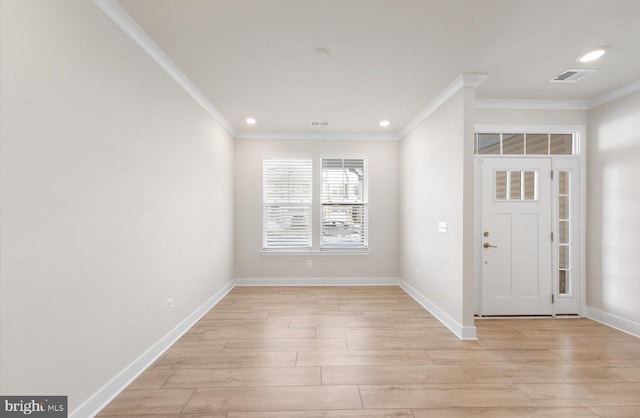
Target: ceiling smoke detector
572	76
319	123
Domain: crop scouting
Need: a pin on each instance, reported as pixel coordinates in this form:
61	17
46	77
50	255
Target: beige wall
613	220
117	192
382	260
437	186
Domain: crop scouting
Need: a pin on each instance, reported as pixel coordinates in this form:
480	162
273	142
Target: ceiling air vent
571	76
319	123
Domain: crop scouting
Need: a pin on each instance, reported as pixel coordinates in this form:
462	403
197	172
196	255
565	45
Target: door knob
487	245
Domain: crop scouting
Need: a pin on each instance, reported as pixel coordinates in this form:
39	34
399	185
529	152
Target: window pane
513	144
563	207
286	198
344	202
563	182
563	229
488	144
561	144
537	144
501	185
343	224
563	257
529	185
563	283
516	186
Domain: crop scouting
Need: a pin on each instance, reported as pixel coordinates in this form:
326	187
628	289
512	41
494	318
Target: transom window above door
520	143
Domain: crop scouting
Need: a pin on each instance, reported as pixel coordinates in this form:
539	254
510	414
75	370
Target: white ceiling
388	58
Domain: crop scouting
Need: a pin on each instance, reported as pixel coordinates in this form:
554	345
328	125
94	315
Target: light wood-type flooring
373	352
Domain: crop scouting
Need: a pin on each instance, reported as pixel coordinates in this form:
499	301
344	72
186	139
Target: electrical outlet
417	274
309	263
170	304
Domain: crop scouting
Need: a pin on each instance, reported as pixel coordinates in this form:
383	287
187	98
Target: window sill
328	251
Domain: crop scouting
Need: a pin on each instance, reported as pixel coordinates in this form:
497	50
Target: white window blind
287	199
344	200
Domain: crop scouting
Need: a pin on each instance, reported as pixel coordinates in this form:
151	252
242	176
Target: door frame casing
579	135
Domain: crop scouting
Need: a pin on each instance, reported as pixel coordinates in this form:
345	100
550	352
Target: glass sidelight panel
564	233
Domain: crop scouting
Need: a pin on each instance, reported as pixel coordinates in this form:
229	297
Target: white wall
437	186
613	216
117	192
529	117
382	260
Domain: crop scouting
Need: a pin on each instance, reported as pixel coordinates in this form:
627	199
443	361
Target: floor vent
571	76
319	123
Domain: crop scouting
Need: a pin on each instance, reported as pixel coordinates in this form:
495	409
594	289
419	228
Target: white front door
516	236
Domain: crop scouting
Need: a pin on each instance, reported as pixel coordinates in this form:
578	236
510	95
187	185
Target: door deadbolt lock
486	233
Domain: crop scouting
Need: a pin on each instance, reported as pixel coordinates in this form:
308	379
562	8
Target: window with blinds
287	199
344	201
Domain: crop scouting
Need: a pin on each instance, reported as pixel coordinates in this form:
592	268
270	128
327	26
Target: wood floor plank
207	415
628	373
492	356
539	373
371	333
359	358
354	322
239	377
148	401
443	396
286	344
377	375
200	345
583	394
616	411
444	342
363	413
226	360
289	398
600	355
258	333
151	379
504	413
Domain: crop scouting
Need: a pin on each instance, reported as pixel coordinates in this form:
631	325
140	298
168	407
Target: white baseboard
614	321
346	281
109	391
461	331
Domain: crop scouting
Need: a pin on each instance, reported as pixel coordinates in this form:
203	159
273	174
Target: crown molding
463	80
327	136
615	94
537	104
532	104
129	26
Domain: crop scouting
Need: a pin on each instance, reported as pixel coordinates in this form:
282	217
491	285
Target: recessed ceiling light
593	55
250	121
384	123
